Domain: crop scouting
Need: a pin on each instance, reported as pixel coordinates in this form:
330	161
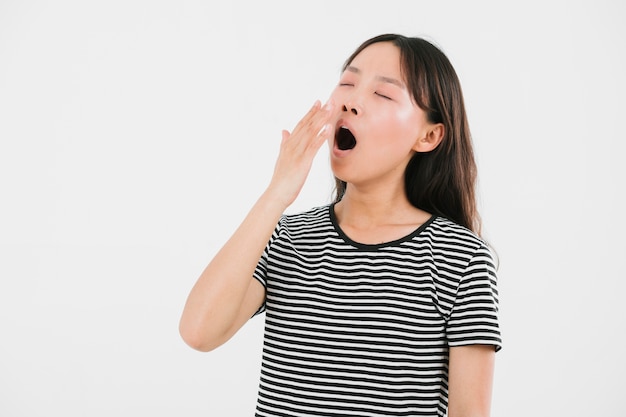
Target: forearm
216	299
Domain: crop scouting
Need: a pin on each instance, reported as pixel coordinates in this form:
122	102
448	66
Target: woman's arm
470	380
226	295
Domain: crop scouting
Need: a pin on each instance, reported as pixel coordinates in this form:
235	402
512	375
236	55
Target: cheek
391	121
408	123
397	131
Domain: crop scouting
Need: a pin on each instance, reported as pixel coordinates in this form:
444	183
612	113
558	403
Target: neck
366	208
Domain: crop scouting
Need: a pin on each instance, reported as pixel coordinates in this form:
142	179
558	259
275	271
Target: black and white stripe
364	330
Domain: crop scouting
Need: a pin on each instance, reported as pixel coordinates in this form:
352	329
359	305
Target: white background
135	135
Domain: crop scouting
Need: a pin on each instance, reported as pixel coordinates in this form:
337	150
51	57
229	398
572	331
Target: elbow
196	343
197	337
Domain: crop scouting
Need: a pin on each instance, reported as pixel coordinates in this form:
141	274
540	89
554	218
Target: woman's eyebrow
382	78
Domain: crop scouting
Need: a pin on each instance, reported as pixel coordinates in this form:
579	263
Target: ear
431	138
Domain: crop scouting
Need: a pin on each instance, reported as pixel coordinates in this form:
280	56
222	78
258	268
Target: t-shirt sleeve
260	272
474	316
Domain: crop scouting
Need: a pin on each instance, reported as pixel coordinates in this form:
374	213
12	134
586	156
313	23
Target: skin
389	128
372	100
226	295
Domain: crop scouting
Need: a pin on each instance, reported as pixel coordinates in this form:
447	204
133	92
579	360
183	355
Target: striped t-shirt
364	330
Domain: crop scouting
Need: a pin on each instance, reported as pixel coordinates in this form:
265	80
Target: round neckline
374	246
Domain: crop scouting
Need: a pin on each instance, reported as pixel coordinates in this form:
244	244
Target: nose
351	108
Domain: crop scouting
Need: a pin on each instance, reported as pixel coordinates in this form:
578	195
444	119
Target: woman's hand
297	151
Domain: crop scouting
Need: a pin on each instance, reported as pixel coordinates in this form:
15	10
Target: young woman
383	303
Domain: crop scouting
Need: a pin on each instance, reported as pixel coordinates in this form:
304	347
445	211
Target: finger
312	124
309	118
286	135
324	134
328	118
331	109
313	129
309	115
329	105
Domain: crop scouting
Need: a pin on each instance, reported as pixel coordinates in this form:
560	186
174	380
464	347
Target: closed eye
383	96
346	85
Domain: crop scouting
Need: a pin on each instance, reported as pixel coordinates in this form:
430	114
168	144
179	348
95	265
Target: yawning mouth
345	139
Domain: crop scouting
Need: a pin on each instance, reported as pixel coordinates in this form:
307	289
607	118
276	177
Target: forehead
382	58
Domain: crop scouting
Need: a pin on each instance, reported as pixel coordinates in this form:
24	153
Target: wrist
273	203
277	198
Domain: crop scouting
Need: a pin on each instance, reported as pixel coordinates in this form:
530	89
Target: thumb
286	135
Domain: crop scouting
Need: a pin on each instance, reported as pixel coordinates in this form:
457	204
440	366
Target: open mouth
345	139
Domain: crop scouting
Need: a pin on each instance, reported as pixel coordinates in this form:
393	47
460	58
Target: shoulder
305	221
457	244
314	215
446	233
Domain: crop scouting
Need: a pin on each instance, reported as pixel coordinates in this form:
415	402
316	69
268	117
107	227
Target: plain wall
135	135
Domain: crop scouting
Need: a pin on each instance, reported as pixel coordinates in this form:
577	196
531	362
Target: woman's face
379	125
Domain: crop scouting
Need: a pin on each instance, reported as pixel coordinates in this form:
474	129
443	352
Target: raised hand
298	149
